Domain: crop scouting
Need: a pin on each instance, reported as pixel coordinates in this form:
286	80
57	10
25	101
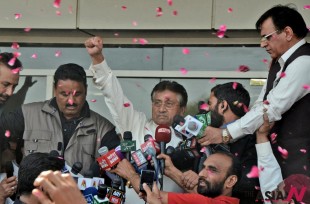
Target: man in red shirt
221	172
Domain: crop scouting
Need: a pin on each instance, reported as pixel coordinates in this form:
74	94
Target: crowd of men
270	141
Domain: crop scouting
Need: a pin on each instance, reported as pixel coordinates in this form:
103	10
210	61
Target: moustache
71	105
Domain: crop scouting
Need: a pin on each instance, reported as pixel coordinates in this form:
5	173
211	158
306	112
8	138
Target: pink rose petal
185	51
70	9
303	151
7	133
16	70
58	13
159	11
243	68
212	80
273	137
74	92
223	28
282	75
135	40
148	57
283	152
245	108
183	70
169	2
116	34
34	56
174	12
235	84
15	46
134	23
307	6
70	101
257	187
220	34
57	3
12	61
203	149
254	173
229	10
236	154
306	86
126	105
266	102
57	53
204	106
27	29
143	41
305	168
261	168
124	8
93	100
17	16
265	61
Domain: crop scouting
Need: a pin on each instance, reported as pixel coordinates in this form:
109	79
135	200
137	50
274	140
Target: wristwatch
225	136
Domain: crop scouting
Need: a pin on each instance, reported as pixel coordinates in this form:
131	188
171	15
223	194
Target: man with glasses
286	96
168	99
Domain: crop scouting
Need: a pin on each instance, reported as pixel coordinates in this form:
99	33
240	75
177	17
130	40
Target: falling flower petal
116	34
220	34
245	108
305	168
307	6
58	13
283	152
254	173
243	68
265	61
169	2
17	15
283	74
148	57
15	46
236	154
16	70
7	133
185	51
74	92
307	87
203	149
70	9
12	61
303	151
34	56
126	105
70	101
212	80
175	13
124	8
134	23
159	11
257	187
229	10
57	53
135	40
17	54
27	29
143	41
183	70
93	100
57	3
235	84
204	106
273	137
261	168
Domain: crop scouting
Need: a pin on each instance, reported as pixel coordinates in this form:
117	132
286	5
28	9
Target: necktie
274	69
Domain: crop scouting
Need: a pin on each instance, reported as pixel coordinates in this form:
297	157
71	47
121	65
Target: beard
217	120
206	189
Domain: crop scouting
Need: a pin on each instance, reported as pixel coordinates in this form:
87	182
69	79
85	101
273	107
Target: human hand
169	167
124	169
152	197
263	131
9	186
28	81
190	179
57	188
211	136
94	46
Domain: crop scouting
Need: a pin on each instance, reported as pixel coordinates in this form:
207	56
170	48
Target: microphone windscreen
9	169
76	167
192	126
147	137
103	150
177	120
127	135
163	133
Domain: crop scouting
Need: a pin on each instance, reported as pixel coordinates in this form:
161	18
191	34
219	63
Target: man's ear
230	181
224	106
182	111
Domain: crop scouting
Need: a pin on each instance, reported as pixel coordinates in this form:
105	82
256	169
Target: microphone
101	198
179	124
150	142
60	148
151	151
185	159
9	169
116	195
128	145
163	136
108	159
139	159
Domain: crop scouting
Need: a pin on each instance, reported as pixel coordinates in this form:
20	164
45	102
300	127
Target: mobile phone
147	176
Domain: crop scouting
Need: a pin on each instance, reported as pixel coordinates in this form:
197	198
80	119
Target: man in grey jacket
65	123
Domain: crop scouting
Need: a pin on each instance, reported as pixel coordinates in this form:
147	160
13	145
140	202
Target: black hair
174	87
235	168
234	95
31	167
5	58
70	71
282	16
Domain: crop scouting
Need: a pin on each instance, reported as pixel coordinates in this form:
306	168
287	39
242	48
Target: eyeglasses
168	104
268	36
